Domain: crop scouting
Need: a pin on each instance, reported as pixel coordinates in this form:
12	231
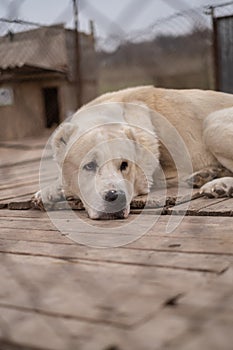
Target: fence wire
174	52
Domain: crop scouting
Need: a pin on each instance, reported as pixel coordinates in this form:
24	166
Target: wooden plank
28	235
167	327
207	329
24	328
196	236
27	223
210	317
16	181
161	198
107	293
159	326
42	244
19	199
211	228
19	191
194	227
224	208
208	298
28	142
20	157
9	178
27	214
170	329
217	247
196	207
200	206
17	171
60	333
157	198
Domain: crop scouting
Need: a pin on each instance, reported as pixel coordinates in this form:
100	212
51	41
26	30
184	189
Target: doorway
51	106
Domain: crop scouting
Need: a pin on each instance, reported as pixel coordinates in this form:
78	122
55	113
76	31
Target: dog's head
106	164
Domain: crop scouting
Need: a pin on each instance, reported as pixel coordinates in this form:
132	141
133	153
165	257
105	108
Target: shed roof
46	49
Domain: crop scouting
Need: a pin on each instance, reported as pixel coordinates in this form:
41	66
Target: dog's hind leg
218	137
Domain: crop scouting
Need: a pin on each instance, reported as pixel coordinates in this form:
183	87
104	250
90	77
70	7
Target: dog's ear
60	139
144	138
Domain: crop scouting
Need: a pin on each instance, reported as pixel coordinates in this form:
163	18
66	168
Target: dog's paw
218	188
198	179
37	201
204	176
48	196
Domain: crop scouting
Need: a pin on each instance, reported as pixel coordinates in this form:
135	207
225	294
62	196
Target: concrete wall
26	116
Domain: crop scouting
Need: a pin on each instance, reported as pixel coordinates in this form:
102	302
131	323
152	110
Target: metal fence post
215	49
77	55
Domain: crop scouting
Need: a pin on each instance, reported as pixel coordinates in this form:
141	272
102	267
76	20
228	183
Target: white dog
118	145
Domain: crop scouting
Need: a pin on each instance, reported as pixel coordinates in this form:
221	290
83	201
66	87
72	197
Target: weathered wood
42	244
165	290
25	180
15	172
18	199
189	227
223	208
199	206
27	223
107	293
196	235
209	314
156	200
18	192
27	214
20	158
61	333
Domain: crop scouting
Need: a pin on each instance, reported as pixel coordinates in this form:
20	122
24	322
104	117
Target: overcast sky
111	17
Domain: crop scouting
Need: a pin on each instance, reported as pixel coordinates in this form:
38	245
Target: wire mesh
174	52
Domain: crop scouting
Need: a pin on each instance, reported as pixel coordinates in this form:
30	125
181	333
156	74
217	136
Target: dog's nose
114	195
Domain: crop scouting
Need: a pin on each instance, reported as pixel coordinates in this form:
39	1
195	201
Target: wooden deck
162	291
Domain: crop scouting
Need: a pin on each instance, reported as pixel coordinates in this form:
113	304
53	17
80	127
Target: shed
38	80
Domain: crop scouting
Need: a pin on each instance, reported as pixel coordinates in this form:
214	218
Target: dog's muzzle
115	205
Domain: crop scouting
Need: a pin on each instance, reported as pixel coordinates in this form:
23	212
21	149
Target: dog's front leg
48	196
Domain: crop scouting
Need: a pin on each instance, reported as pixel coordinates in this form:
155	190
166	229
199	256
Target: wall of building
25	116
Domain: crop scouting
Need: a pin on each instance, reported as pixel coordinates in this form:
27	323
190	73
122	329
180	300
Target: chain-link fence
38	88
177	51
174	52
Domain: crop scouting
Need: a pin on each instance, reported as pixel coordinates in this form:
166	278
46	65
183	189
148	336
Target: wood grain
163	291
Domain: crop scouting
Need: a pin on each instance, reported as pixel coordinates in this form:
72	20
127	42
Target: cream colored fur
170	125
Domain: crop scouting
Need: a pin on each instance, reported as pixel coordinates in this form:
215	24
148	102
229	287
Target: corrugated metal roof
42	51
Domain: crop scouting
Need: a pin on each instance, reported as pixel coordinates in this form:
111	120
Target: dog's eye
124	166
90	166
